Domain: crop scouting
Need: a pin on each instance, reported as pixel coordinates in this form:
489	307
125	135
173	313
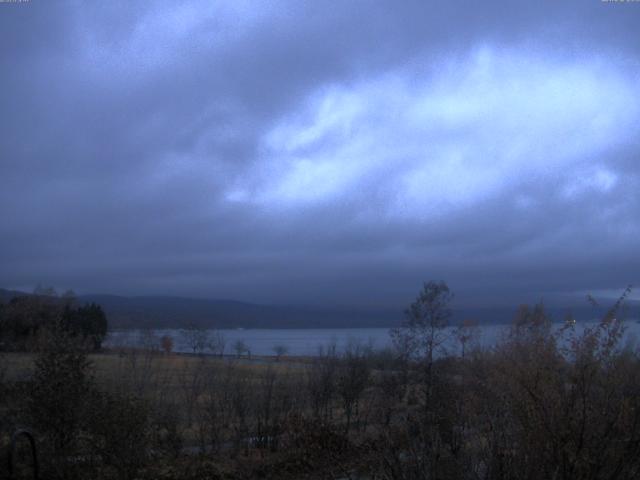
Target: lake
309	341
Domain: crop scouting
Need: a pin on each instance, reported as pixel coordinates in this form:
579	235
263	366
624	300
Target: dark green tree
87	322
59	395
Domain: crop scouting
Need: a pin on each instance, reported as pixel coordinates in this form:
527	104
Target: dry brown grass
20	365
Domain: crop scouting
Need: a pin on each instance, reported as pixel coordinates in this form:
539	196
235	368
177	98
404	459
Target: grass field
18	366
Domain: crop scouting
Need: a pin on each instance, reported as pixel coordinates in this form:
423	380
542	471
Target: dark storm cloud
292	152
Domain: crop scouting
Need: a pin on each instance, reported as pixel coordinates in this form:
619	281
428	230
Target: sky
325	153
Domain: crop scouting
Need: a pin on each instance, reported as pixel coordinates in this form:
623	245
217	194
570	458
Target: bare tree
241	407
270	405
280	350
240	348
321	383
423	333
148	341
423	338
197	338
466	333
353	378
217	343
216	412
191	377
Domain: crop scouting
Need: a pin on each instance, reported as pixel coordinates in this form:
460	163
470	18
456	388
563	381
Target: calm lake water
309	341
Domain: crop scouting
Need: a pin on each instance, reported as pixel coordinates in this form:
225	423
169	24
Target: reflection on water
308	341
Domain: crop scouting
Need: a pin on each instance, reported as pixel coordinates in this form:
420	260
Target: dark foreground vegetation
25	319
544	403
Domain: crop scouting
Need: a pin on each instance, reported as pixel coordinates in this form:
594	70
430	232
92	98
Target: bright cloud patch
445	137
159	37
591	181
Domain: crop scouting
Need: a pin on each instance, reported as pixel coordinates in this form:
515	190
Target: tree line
25	319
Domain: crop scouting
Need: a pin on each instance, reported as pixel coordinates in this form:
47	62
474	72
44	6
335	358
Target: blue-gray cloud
308	153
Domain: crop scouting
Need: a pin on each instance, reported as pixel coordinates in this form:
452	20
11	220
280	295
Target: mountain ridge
166	311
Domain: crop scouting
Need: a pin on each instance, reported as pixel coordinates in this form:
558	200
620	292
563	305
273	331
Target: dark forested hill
125	312
168	312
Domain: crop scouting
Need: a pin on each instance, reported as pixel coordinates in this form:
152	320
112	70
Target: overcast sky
321	152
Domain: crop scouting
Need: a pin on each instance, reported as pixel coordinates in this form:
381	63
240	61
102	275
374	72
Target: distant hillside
171	312
126	312
6	295
158	312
